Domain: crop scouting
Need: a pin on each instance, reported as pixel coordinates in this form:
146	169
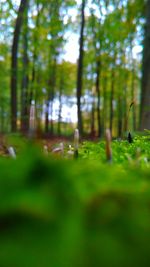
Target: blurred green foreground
65	213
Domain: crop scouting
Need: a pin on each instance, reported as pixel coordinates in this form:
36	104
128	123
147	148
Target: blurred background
79	63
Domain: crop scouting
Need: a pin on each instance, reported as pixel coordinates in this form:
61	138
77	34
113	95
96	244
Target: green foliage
123	152
58	212
112	30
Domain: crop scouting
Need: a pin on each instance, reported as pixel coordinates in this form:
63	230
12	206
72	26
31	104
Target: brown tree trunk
14	54
24	90
50	97
111	100
35	56
97	45
133	98
133	95
93	130
80	69
145	97
120	116
125	107
61	86
98	97
104	120
47	117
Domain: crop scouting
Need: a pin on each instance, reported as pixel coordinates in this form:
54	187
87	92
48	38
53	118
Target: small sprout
70	152
76	139
130	139
108	145
70	147
59	149
76	143
32	120
11	152
45	147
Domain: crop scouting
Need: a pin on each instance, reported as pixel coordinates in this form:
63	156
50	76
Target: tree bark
98	65
111	100
105	110
61	86
35	56
98	46
14	54
24	90
93	130
145	94
80	69
50	97
120	116
133	98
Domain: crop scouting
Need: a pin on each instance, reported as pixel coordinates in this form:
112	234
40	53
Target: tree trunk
61	85
104	121
133	98
97	45
14	54
93	130
125	107
80	69
59	114
111	100
35	56
24	91
120	116
98	96
47	117
50	97
133	77
145	97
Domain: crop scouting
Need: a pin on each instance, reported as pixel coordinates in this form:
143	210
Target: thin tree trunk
97	41
133	98
59	114
145	97
133	86
80	69
119	116
35	55
93	130
98	96
14	65
47	117
112	100
105	104
51	121
24	91
50	98
125	106
61	85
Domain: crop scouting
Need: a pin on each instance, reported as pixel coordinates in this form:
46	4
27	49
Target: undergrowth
62	212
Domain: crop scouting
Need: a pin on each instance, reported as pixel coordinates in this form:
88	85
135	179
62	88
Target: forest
74	133
78	63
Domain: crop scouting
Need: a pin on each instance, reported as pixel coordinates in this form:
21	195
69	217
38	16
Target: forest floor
89	211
